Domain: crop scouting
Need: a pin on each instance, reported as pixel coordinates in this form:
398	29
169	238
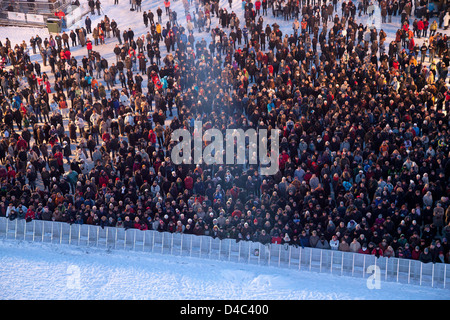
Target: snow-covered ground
61	272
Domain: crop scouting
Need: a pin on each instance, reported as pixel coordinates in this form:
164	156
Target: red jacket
106	137
137	225
395	65
67	54
11	174
59	158
234	193
156	165
143	227
363	251
415	254
30	214
22	144
236	213
276	239
189	183
378	253
152	137
420	25
48	86
283	159
103	180
411	44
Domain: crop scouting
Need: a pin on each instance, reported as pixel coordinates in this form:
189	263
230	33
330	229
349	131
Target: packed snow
61	272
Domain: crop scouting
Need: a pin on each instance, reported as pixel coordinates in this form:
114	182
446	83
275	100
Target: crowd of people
364	145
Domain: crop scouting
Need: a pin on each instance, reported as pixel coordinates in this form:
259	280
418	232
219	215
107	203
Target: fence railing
36	7
37	13
405	271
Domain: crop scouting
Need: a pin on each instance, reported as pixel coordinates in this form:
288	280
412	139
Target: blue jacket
17	102
304	241
183	38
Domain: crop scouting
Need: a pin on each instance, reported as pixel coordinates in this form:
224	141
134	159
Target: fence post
70	234
162	243
201	240
353	264
220	248
60	236
409	272
98	233
239	250
89	233
320	265
153	241
79	234
290	252
310	260
229	253
259	254
445	274
115	238
181	246
25	231
364	266
15	232
106	242
190	250
342	262
386	272
300	259
249	253
331	264
34	229
398	268
210	247
279	255
432	276
421	264
270	256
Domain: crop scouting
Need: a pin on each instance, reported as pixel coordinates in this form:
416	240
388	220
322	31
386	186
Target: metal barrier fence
356	265
36	7
36	13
